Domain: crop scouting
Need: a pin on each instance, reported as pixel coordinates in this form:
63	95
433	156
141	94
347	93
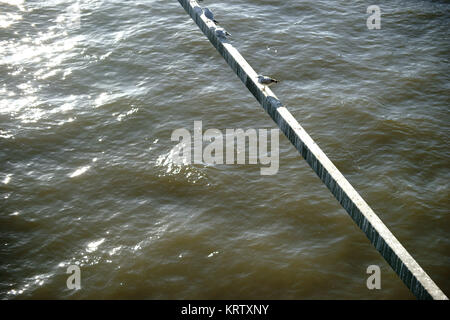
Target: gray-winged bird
210	15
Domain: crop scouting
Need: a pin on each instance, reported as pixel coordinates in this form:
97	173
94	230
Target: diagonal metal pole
415	278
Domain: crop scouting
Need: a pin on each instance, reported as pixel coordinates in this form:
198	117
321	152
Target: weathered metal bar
415	278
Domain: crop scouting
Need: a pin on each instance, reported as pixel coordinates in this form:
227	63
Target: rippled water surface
91	91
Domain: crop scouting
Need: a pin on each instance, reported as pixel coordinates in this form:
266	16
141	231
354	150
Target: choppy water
87	108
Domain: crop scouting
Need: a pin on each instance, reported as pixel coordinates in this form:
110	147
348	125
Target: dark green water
88	106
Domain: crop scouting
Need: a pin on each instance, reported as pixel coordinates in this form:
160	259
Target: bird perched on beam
266	81
210	15
222	33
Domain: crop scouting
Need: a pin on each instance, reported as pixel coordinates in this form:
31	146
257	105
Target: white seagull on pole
210	15
266	81
222	33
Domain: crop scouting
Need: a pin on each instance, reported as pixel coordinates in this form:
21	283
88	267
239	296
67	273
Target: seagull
222	33
210	15
266	81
